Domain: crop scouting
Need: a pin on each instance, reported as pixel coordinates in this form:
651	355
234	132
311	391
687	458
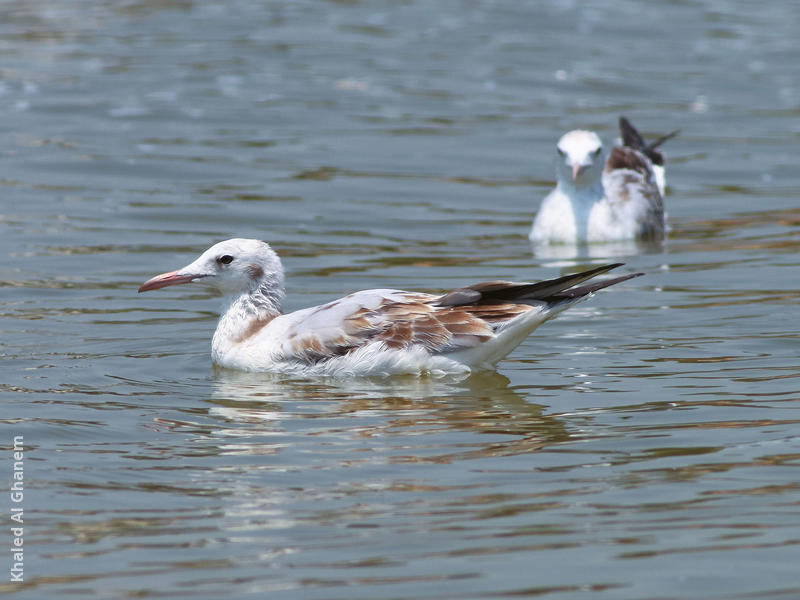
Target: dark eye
225	260
561	152
596	152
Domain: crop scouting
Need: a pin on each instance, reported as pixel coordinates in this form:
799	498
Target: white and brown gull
604	200
372	332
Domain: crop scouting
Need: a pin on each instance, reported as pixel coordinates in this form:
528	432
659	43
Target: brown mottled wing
444	329
468	316
461	319
622	157
631	185
398	319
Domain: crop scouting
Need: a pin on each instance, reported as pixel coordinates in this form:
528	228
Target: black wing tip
550	291
604	269
615	280
630	135
601	269
625	125
663	139
633	139
622	278
585	290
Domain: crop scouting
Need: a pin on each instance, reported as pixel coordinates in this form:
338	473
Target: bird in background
371	332
604	199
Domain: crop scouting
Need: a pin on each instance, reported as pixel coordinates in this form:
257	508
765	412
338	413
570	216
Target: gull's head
234	267
580	159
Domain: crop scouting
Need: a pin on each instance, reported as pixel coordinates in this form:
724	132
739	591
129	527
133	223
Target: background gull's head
580	159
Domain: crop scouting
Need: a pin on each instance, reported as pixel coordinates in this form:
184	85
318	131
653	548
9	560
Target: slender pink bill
577	171
166	279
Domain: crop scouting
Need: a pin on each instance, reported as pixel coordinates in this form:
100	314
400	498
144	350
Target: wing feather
633	139
459	320
631	187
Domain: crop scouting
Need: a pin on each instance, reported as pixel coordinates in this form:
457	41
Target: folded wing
460	320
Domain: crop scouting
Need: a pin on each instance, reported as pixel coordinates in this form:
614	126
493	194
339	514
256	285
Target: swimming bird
599	199
371	332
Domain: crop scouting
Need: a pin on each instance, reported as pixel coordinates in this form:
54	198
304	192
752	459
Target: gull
371	332
604	200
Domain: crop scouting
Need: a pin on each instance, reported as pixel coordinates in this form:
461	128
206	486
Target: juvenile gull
604	200
372	332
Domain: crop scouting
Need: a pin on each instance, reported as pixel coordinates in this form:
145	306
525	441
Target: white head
580	160
235	267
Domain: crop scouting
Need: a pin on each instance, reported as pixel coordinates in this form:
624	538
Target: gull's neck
243	315
585	193
582	199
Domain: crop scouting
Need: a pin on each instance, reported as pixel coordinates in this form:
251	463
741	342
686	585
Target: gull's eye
225	259
596	152
560	151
